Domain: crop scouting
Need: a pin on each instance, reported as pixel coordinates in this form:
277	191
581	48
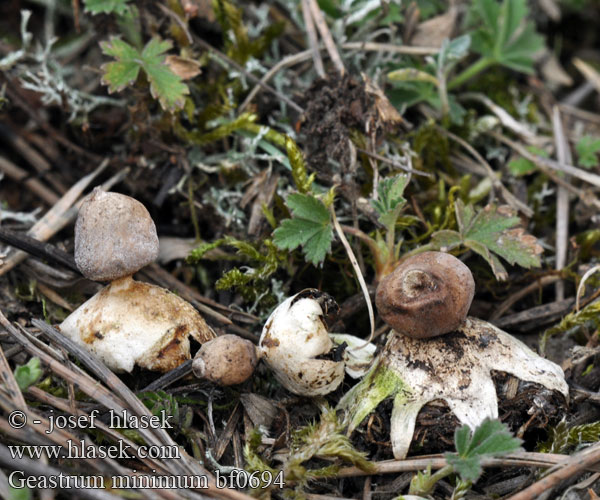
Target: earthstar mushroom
127	322
455	367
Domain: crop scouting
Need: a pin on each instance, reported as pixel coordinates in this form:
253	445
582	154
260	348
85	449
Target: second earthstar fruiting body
127	322
426	296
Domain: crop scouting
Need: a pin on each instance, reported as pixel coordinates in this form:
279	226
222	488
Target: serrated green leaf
28	374
314	238
486	430
498	232
390	199
118	7
504	35
293	233
497	268
123	72
490	438
165	85
462	438
468	468
310	228
491	232
446	240
316	248
587	151
308	207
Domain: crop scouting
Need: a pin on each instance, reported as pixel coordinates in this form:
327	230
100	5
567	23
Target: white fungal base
293	336
129	323
455	368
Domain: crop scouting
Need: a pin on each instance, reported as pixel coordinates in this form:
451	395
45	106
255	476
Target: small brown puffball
225	360
114	236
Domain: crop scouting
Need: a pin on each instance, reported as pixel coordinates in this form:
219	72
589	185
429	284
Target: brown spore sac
114	236
427	295
226	360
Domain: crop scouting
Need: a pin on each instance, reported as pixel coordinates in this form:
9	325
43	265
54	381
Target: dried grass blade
120	389
326	36
590	73
11	383
563	155
34	185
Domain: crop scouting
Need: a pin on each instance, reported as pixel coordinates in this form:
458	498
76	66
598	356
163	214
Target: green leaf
504	35
587	150
29	374
468	468
452	52
165	85
491	438
492	230
462	438
390	199
456	49
308	207
118	7
310	228
522	166
446	240
123	72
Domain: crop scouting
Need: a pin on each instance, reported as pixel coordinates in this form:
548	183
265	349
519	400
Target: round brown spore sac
427	295
114	236
226	360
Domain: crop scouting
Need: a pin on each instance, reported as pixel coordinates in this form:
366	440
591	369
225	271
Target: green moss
432	149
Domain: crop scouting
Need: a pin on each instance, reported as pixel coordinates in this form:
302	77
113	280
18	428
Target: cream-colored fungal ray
455	368
128	323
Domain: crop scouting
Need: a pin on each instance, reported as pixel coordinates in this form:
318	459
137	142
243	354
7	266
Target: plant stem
470	72
428	485
193	214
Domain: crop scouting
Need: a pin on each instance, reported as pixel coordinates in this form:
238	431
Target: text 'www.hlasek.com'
122	449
